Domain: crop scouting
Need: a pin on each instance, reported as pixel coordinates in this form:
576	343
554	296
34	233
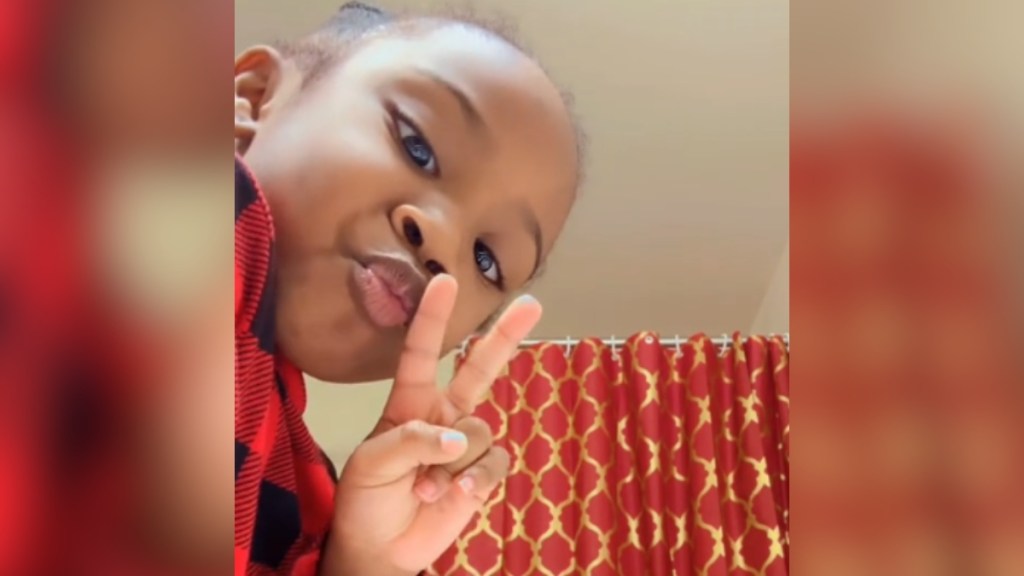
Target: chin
335	375
353	359
354	373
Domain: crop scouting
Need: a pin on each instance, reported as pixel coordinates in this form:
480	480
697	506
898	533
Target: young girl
382	162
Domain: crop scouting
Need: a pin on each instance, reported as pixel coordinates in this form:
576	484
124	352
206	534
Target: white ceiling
684	219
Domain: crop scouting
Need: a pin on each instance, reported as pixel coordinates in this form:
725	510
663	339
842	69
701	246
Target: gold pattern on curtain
651	460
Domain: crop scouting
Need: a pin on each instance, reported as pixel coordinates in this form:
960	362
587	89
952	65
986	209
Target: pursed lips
391	288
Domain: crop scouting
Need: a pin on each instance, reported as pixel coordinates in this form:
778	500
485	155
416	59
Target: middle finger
492	353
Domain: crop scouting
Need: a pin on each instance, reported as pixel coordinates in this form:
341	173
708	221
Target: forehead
482	64
498	78
473	55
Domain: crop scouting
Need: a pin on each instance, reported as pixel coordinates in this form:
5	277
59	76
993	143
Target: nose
431	234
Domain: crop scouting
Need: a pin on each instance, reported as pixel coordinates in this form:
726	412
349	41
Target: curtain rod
721	342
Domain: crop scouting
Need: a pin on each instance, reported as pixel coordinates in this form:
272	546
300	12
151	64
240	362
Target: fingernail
526	299
467	484
426	489
452	440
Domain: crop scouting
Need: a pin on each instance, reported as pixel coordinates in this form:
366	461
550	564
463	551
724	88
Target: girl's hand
411	488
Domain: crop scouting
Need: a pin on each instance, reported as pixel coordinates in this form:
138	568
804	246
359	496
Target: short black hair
316	53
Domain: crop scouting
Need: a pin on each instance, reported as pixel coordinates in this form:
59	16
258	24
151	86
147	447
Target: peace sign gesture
397	505
415	395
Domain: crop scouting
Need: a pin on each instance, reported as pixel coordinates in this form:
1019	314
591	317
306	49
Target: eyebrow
469	110
531	223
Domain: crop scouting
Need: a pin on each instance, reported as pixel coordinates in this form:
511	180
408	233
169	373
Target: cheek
313	294
317	204
323	177
337	134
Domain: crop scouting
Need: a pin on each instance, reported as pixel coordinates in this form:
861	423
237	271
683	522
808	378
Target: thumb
403	449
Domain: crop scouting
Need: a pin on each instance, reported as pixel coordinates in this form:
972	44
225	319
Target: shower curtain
649	460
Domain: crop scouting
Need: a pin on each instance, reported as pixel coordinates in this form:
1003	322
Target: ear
260	84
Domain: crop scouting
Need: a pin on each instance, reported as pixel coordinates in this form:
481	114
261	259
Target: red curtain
646	460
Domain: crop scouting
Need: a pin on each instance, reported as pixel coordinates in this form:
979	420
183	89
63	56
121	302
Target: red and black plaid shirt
284	486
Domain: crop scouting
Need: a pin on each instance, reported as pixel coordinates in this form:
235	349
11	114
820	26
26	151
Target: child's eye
487	263
416	146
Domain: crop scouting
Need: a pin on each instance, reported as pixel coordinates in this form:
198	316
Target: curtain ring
678	342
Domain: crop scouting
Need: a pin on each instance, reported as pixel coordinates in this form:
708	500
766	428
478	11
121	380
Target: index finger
492	353
417	366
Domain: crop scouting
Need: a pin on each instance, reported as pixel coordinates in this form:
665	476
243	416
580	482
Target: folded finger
449	516
436	480
479	480
403	450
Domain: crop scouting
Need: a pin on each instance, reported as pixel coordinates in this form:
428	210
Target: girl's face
447	151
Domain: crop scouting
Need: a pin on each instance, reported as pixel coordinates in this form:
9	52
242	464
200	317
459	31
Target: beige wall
341	415
773	316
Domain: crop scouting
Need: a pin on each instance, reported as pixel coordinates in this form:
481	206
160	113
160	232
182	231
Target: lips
390	289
